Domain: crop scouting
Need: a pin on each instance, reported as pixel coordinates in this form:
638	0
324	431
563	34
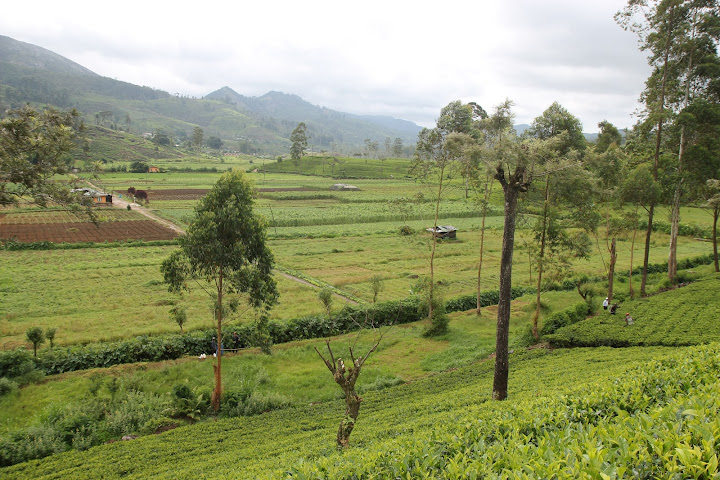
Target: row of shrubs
13	245
169	347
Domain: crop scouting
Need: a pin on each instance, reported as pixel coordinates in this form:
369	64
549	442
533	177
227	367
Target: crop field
110	293
58	226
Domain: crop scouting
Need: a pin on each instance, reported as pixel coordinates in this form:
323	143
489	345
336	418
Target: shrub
565	317
7	386
19	365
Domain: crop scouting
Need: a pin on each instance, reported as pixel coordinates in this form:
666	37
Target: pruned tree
224	253
36	336
325	296
346	376
436	150
517	163
179	315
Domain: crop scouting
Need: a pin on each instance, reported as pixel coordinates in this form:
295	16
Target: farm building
97	197
343	186
443	231
153	169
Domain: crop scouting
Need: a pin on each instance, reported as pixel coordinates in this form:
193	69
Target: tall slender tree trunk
611	269
488	183
674	229
658	142
716	213
643	280
434	244
541	260
217	392
632	254
502	361
675	217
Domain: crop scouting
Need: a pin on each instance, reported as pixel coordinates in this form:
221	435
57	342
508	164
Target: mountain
32	74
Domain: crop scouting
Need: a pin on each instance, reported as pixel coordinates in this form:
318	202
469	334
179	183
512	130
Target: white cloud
404	59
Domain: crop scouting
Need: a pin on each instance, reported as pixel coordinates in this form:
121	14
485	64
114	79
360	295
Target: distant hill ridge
29	73
33	74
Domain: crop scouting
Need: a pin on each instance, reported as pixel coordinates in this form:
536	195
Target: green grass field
567	407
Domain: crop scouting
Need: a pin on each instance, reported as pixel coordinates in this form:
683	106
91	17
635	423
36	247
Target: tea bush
685	316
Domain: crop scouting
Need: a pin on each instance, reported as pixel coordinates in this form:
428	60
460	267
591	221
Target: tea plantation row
638	418
685	316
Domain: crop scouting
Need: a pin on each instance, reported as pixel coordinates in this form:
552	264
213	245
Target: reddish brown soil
87	232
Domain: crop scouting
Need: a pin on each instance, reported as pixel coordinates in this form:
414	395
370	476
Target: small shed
343	186
97	197
153	169
103	198
443	231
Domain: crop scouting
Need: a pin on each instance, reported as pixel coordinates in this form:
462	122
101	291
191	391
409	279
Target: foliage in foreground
655	420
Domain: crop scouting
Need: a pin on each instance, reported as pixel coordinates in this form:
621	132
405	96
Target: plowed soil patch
87	232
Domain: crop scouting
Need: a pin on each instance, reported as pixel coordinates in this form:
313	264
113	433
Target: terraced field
58	226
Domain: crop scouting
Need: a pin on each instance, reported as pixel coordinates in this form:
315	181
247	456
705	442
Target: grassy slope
684	316
552	394
264	446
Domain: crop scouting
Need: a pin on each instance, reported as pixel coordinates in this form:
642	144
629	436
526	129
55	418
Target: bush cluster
573	314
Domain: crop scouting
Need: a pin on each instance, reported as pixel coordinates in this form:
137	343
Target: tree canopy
33	148
224	251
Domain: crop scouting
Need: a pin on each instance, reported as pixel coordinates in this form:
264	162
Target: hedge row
169	347
488	297
12	245
350	318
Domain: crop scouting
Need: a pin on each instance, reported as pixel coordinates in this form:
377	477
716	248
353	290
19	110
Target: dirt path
122	203
118	202
305	282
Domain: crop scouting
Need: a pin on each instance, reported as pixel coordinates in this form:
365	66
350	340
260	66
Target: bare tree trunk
643	281
716	213
434	244
541	261
611	269
502	361
346	377
482	239
674	229
217	392
352	410
632	254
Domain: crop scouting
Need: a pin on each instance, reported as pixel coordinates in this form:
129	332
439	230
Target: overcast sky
406	59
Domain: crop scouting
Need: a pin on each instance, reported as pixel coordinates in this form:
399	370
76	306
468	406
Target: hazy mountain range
32	74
